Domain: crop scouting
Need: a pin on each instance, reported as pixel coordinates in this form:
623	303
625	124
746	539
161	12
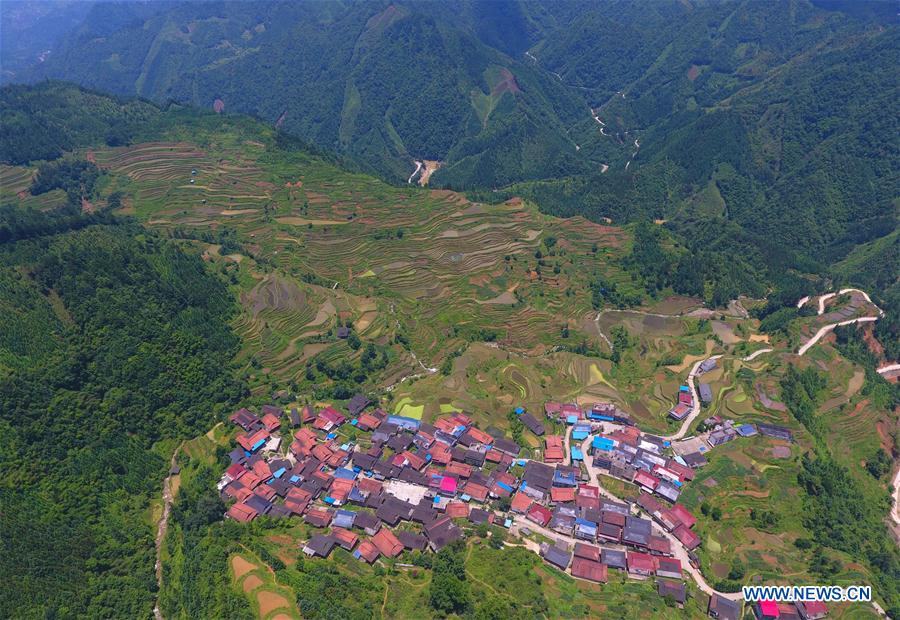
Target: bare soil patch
269	602
241	566
251	583
429	169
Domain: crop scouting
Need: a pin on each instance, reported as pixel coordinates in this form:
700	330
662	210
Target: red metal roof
589	569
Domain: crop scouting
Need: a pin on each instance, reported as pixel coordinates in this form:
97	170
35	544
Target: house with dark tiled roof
556	556
245	418
411	540
319	545
357	404
724	609
441	533
614	558
672	589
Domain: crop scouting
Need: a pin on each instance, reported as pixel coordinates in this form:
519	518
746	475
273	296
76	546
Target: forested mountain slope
113	340
383	82
499	92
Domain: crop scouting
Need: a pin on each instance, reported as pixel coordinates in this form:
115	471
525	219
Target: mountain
383	83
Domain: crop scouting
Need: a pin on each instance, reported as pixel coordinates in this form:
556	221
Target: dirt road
163	526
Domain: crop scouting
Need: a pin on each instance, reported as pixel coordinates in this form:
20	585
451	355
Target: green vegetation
118	341
842	517
47	122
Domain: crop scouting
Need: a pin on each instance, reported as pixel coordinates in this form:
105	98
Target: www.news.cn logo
796	594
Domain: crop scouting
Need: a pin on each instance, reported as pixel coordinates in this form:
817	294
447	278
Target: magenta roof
769	608
448	484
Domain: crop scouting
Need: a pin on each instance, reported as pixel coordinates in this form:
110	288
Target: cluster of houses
409	484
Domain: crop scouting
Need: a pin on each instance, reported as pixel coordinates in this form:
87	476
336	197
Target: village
394	484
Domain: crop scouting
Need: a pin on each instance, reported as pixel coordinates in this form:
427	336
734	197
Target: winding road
415	172
831	326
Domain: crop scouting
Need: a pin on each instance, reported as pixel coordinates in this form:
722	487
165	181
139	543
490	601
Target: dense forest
113	340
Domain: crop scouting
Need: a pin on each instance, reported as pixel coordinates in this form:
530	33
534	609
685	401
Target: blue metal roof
603	443
343	472
572	419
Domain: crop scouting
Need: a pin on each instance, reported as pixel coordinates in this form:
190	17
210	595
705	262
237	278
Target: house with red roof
321	452
345	538
457	510
539	514
271	422
562	494
253	442
589	569
387	544
448	486
586	551
461	470
684	515
476	491
266	492
241	513
413	460
440	453
812	610
251	480
766	610
646	481
368	422
553	452
480	436
234	472
367	551
640	563
262	469
520	503
687	537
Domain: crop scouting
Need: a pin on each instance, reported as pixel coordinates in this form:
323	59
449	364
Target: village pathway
163	526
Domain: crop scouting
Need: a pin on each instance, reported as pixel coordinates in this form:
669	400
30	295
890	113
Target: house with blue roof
604	444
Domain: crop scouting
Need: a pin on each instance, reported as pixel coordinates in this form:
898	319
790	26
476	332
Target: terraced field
321	246
14	184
